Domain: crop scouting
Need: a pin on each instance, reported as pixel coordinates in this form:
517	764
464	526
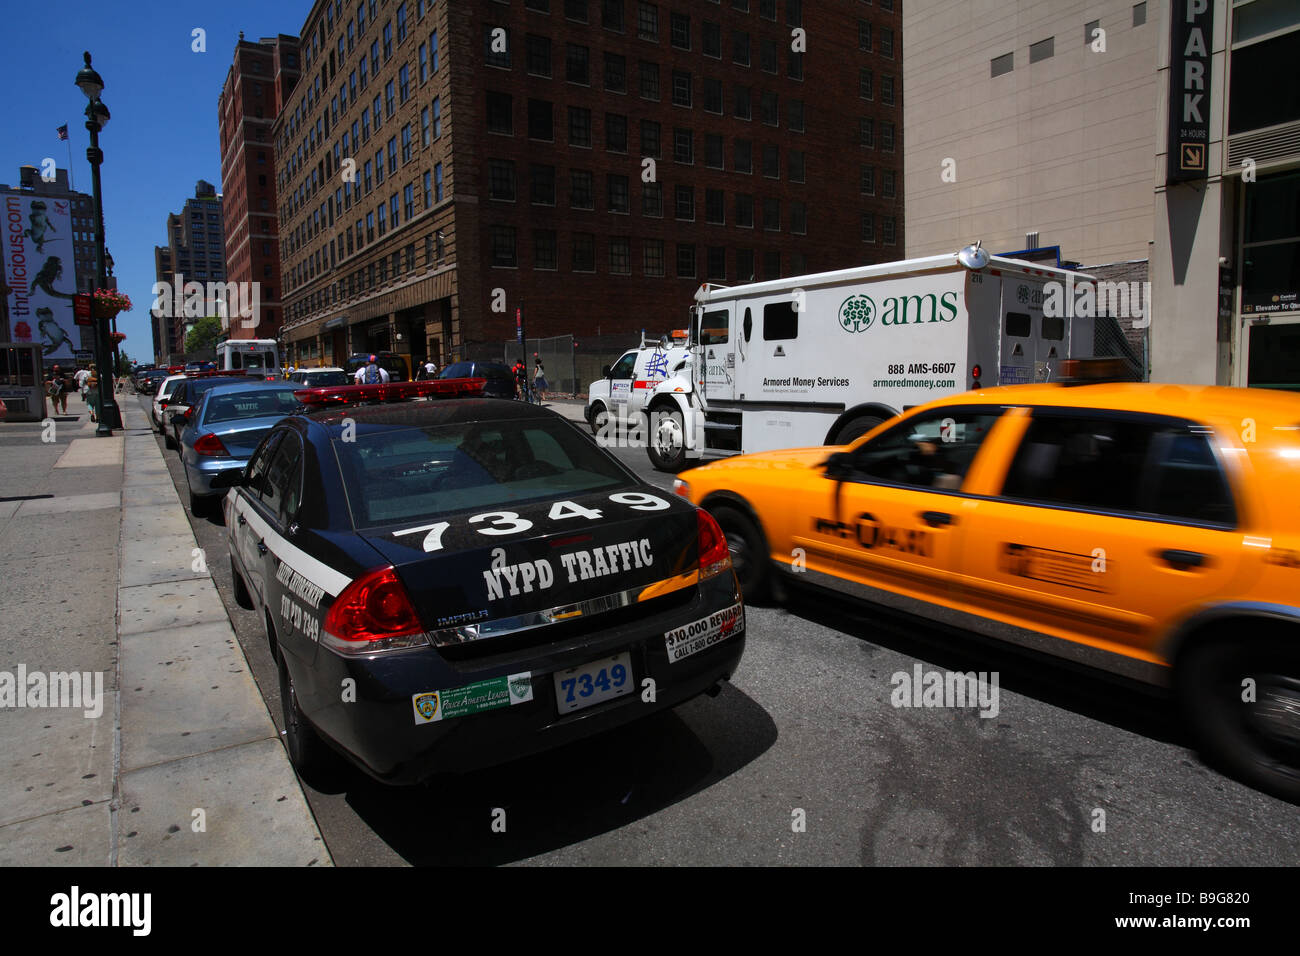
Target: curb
200	775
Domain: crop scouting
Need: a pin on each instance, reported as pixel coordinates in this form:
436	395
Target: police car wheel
667	446
1242	704
167	438
242	597
308	753
748	554
856	428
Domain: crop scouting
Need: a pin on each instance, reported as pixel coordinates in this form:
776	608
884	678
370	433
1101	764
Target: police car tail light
374	613
715	556
210	444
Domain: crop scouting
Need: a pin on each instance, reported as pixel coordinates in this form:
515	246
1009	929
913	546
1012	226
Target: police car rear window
402	474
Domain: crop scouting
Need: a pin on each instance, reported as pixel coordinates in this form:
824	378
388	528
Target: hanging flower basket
116	337
106	303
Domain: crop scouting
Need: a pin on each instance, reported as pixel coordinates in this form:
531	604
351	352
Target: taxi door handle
1182	559
936	519
261	546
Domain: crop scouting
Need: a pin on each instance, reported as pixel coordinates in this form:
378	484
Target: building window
716	263
868	227
437	117
503	246
771	161
771	112
615	73
615	133
428	189
388	40
772	215
611	15
366	172
576	10
794	115
740	47
712	95
424	126
542	185
866	132
864	36
887	188
577	64
1041	50
865	90
392	155
538	55
620	255
683	146
501	180
745	265
685	203
499	113
1139	14
408	200
798	218
496	46
713	150
887	137
714	207
744	162
437	185
887	43
681	88
617	193
541	6
767	56
680	30
649	80
544	250
647	22
370	227
887	90
580	127
652	200
650	137
422	58
401	23
771	264
685	260
392	211
406	143
580	190
584	252
433	52
744	109
541	120
1002	64
797	166
887	230
712	43
652	252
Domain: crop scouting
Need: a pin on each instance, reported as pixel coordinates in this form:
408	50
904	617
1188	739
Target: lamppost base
110	417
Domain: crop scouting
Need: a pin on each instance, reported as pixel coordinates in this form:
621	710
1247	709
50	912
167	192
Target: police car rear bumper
382	733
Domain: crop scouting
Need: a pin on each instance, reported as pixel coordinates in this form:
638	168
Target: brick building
260	81
590	162
195	252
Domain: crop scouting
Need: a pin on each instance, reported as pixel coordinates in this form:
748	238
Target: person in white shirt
82	377
372	373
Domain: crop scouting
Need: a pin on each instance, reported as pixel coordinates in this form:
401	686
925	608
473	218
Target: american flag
63	131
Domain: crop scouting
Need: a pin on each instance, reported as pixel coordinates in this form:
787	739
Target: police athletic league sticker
472	698
682	642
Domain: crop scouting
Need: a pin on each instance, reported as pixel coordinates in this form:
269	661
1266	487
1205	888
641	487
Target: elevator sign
1188	145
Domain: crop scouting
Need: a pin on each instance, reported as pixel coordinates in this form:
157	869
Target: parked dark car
500	380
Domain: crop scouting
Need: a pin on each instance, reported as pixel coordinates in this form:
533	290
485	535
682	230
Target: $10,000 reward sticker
682	642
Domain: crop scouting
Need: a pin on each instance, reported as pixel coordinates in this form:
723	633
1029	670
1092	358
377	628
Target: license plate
592	683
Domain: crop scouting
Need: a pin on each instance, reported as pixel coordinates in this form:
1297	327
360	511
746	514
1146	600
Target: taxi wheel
748	554
1257	739
667	446
856	428
308	753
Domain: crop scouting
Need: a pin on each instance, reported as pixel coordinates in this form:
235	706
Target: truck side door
620	385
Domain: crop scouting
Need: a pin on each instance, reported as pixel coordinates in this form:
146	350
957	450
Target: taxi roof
1184	401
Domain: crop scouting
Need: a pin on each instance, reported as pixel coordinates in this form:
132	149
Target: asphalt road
803	759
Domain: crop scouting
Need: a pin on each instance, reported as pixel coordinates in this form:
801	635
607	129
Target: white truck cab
620	398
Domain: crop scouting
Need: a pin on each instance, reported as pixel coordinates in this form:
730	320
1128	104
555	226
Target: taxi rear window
402	474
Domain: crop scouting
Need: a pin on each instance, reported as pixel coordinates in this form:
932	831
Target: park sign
1188	143
40	272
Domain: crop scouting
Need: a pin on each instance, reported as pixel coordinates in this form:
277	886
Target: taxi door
1100	529
892	527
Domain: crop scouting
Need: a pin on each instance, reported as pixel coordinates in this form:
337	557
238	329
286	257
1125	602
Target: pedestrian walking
372	373
430	369
92	392
57	390
539	380
81	378
521	380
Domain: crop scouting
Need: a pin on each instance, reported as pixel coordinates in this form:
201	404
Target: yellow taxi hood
770	460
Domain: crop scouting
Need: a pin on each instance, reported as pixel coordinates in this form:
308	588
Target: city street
802	759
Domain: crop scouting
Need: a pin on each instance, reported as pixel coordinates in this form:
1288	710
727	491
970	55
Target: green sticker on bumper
472	698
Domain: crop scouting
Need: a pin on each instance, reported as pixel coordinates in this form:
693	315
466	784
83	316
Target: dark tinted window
1152	467
1018	324
624	367
1053	328
714	329
283	482
257	464
930	451
780	321
410	474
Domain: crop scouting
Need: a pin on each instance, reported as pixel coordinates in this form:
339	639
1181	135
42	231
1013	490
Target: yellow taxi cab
1149	530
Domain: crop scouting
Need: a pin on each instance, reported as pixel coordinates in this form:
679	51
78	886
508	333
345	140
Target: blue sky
163	97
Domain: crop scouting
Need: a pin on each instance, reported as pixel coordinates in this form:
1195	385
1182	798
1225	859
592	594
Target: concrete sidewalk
177	762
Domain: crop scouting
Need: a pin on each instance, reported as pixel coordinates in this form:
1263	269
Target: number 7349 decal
496	523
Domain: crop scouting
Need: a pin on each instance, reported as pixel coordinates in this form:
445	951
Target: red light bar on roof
327	395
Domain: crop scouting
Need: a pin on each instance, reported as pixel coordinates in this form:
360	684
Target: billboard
40	271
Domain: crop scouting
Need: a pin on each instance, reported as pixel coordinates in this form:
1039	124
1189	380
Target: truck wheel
749	558
667	446
598	420
1256	740
855	428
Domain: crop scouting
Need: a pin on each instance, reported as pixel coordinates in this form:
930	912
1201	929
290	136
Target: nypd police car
451	584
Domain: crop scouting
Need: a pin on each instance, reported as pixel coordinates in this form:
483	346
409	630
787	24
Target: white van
824	358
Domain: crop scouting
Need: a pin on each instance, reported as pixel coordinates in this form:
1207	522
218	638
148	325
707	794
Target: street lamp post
91	84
